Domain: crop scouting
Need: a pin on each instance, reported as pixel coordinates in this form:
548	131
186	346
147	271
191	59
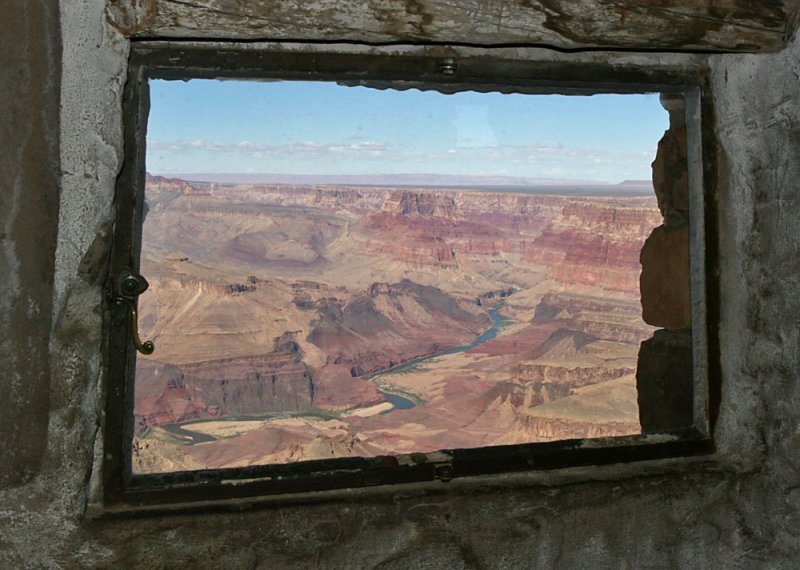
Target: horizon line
387	178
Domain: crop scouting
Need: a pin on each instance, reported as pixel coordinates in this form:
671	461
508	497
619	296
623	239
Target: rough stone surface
741	511
664	382
29	178
727	25
670	176
664	281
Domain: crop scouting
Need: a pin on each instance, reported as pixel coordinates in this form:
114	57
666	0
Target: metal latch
127	287
443	471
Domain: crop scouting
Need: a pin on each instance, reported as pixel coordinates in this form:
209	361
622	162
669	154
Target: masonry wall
29	181
738	509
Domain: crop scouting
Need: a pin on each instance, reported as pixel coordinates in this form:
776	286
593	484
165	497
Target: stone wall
29	180
741	509
664	380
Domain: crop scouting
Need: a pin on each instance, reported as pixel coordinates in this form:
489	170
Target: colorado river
193	436
190	437
399	401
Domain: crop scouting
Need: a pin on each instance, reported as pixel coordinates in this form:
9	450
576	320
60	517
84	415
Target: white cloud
310	149
537	157
552	155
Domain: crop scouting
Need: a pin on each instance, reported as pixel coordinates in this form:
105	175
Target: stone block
670	175
664	381
664	281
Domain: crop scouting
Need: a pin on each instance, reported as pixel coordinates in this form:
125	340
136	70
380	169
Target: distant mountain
383	179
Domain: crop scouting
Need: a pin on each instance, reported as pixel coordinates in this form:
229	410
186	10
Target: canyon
309	321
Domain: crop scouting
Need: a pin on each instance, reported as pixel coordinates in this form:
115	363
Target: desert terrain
309	321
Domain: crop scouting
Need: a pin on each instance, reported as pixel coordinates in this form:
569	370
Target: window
345	320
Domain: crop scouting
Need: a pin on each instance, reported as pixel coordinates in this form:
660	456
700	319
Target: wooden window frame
162	60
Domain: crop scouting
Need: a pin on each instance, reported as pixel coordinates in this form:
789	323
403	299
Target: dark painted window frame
123	491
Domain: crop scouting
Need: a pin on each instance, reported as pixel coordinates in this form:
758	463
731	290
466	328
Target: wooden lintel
672	25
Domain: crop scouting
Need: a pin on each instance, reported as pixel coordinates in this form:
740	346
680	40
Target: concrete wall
741	510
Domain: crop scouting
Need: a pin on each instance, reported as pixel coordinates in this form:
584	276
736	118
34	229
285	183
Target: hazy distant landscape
297	321
522	185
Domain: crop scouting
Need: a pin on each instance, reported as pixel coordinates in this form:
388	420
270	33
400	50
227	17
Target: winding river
400	402
190	437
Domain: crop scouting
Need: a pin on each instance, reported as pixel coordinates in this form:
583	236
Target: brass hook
146	347
129	287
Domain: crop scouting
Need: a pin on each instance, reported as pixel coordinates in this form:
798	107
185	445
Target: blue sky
293	127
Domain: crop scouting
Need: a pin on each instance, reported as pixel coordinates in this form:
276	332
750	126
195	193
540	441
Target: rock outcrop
607	319
389	324
595	244
169	393
157	184
553	382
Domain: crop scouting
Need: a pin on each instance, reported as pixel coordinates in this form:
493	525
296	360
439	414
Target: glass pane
344	271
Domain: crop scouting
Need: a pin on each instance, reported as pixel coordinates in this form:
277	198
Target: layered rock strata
169	393
393	323
345	282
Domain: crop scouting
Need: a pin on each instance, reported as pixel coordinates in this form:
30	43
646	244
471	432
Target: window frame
164	60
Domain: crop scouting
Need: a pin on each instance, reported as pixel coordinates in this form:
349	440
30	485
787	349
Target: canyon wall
391	324
237	266
589	241
169	393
